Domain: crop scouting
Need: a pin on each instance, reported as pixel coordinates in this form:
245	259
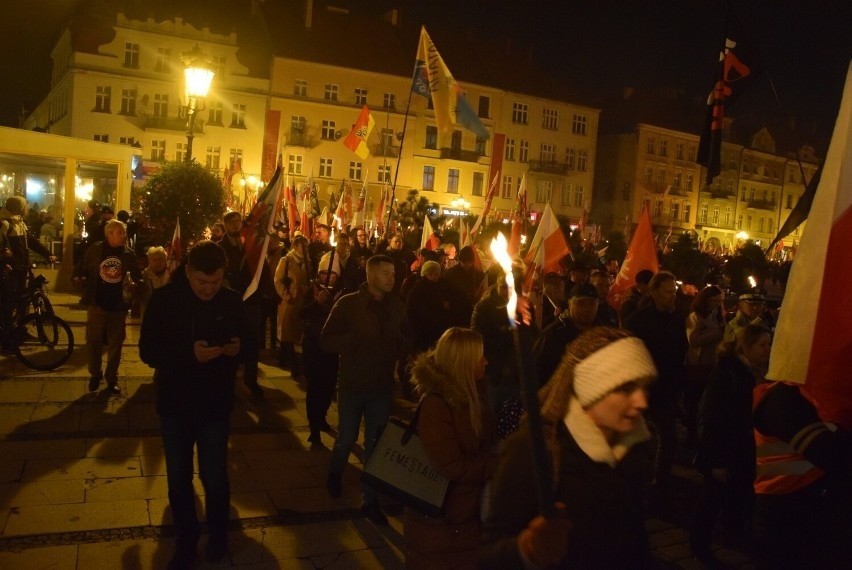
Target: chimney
309	13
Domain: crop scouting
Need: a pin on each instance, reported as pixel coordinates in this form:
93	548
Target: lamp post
197	78
460	204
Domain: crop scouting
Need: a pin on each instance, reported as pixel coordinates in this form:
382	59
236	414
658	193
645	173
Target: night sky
596	44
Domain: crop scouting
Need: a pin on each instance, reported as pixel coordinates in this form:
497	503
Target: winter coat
550	346
291	284
18	240
664	335
174	320
602	489
491	321
704	335
369	336
725	425
450	540
428	309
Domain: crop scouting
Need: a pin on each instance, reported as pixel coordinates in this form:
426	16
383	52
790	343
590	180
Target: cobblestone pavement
82	478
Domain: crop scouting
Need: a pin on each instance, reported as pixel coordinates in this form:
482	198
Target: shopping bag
400	468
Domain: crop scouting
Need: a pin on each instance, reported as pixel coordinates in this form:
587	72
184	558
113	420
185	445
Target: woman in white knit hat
592	414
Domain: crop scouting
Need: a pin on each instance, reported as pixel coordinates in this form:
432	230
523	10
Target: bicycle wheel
40	303
44	341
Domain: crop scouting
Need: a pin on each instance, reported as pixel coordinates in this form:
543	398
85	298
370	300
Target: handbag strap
411	428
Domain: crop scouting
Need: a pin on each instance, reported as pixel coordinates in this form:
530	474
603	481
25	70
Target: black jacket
664	335
550	346
174	320
491	320
427	306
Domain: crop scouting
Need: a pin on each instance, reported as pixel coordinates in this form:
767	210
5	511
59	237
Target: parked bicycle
33	332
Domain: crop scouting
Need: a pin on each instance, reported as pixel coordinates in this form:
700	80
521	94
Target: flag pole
399	156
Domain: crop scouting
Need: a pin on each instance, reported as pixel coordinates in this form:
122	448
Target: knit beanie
16	205
625	360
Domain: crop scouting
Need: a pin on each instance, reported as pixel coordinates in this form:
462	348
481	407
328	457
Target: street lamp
197	78
460	204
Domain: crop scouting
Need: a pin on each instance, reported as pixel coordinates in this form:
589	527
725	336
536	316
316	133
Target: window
524	152
479	146
679	151
234	155
484	107
727	218
428	178
325	167
579	124
789	201
213	155
354	170
550	119
570	158
386	139
580	197
214	114
690	153
548	154
510	149
300	88
180	152
131	55
238	116
389	101
163	64
658	208
360	96
649	175
687	184
298	125
748	223
478	183
294	164
453	181
102	99
702	214
456	140
769	225
677	179
543	191
507	187
664	148
161	105
687	210
158	150
773	196
102	138
675	213
566	195
651	145
582	157
739	221
127	140
519	113
217	64
128	102
330	93
760	224
431	137
751	195
732	161
661	178
384	173
730	187
327	131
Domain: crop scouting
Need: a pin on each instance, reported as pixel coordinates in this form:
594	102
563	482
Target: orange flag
642	254
356	140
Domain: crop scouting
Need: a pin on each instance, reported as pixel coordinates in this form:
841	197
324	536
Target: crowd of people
353	319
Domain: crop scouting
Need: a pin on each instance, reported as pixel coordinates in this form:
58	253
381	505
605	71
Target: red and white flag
547	249
292	207
813	339
381	207
429	239
464	234
258	227
360	206
343	213
175	250
641	254
518	218
487	207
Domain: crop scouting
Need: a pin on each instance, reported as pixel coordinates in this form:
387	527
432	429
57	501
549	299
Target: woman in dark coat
592	410
726	456
457	431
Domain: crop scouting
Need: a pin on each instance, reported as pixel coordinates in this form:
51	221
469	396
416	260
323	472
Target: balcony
721	194
719	225
387	150
459	154
548	166
171	124
299	139
761	204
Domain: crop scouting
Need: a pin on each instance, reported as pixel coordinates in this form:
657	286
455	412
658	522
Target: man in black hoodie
194	334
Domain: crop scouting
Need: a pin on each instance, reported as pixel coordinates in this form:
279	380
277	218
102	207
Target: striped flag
360	206
547	249
428	240
487	207
813	338
519	216
381	207
257	229
176	249
292	207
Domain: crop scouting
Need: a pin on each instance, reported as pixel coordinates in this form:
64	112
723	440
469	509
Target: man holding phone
194	334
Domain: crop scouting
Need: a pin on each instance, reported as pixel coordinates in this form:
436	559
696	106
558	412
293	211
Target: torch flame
331	239
752	281
500	250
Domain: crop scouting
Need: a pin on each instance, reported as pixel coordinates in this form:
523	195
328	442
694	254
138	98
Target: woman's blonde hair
156	250
457	353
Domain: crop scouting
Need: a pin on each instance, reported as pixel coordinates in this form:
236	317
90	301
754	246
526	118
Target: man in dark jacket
491	320
637	293
109	273
369	331
194	333
663	330
465	284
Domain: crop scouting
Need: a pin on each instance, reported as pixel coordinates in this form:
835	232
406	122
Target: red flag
519	215
292	208
487	207
584	218
175	251
547	249
257	229
813	338
356	140
642	254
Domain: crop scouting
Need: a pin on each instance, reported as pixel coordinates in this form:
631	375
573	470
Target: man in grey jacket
369	330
